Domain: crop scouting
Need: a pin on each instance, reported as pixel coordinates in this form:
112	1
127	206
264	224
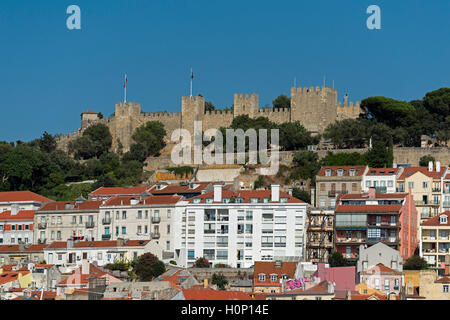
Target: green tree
423	162
209	106
336	259
219	280
47	142
282	101
348	133
201	263
151	137
301	194
95	141
306	165
415	263
344	159
293	136
106	180
379	156
148	267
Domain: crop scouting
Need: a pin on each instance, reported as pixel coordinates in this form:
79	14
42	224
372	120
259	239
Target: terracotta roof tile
21	215
381	269
111	191
20	196
382	171
435	221
247	195
71	206
368	208
268	268
359	170
180	189
409	171
15	248
210	294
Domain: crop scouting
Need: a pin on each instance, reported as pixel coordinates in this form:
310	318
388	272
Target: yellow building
435	240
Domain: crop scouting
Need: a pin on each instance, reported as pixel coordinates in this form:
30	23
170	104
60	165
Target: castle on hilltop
315	108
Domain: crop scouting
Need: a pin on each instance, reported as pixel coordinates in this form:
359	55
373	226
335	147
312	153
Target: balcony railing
90	224
209	231
42	241
106	236
42	225
383	224
399	189
446	203
381	189
106	220
156	219
156	235
383	239
436	189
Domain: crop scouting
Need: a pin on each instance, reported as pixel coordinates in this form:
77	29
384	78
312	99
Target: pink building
383	278
344	277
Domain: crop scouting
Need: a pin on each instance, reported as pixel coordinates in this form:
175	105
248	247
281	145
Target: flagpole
125	89
191	82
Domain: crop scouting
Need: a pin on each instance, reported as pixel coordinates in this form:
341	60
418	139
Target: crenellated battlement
314	107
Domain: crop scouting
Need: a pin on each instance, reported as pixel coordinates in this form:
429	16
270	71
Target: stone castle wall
315	108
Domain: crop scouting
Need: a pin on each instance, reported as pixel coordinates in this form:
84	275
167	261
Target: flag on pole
125	83
192	75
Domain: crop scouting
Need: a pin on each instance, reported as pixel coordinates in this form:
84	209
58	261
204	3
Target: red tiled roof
382	171
9	276
97	244
445	279
110	191
21	215
179	189
268	268
15	248
319	289
21	196
47	295
358	196
210	294
381	269
126	200
359	170
435	221
43	265
247	195
369	208
368	296
60	205
409	171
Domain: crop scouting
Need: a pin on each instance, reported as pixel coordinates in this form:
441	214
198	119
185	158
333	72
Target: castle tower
192	109
125	121
87	118
247	104
314	108
127	109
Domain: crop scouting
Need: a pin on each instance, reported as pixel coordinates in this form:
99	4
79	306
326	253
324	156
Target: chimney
217	193
205	283
84	266
134	201
275	192
14	209
372	193
430	166
438	166
120	242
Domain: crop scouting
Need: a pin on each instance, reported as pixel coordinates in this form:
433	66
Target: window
139	214
58	235
377	283
99	256
340	172
20	227
169	213
74	219
59	220
53	220
354	187
280	241
124	214
387	284
322	202
445	288
146	229
443	219
327	173
352	172
249	215
168	229
117	231
81	219
273	277
390	183
191	254
59	257
52	235
139	229
411	185
368	183
167	245
425	185
117	215
146	214
322	187
124	230
262	277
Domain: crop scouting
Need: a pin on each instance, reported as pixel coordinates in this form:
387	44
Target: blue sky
51	74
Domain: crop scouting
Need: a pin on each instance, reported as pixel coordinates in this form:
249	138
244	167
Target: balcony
383	239
156	219
209	231
106	220
436	189
399	189
106	236
383	224
350	241
42	241
42	225
446	203
156	235
90	224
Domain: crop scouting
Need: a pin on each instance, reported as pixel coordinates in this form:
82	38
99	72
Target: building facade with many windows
237	228
435	240
16	226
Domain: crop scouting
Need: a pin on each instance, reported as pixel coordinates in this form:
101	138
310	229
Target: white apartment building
384	180
237	228
139	218
72	253
23	200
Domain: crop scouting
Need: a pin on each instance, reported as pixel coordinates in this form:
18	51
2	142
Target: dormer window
209	200
226	200
443	219
273	277
328	173
283	200
196	200
239	200
352	172
262	277
254	200
285	277
266	200
340	172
